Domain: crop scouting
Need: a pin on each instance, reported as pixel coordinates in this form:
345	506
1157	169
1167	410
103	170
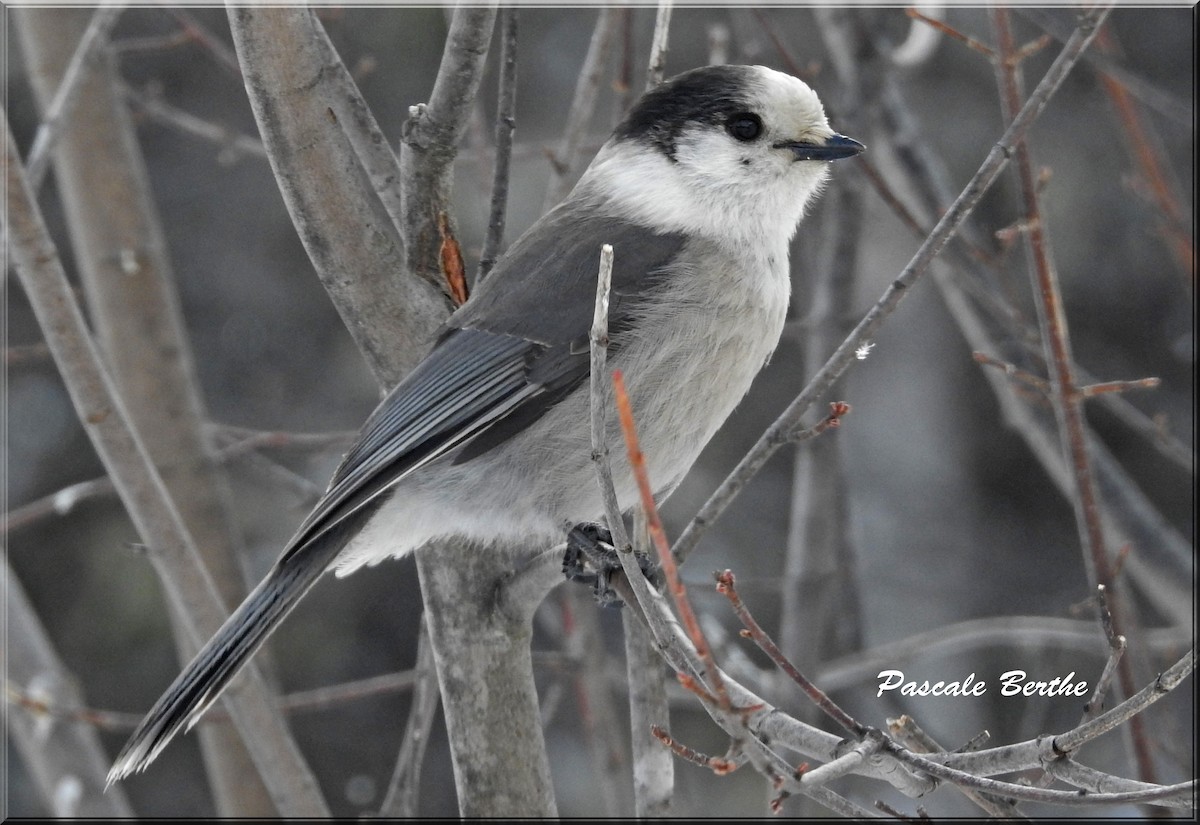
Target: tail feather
203	680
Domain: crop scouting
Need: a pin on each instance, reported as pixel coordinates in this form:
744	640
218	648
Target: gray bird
699	191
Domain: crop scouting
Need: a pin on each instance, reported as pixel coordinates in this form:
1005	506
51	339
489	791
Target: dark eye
744	126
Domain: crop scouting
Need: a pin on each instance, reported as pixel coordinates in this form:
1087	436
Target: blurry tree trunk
122	258
64	758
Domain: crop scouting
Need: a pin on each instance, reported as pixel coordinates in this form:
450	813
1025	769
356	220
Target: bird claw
592	559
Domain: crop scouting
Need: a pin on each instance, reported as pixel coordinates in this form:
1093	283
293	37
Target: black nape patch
706	96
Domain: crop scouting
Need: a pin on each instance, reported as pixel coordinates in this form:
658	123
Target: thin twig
951	32
583	104
506	109
1065	396
1012	790
1148	154
1130	512
1116	644
1167	681
213	44
233	144
1178	109
726	586
401	797
913	737
600	398
637	463
949	223
658	45
653	779
717	764
59	111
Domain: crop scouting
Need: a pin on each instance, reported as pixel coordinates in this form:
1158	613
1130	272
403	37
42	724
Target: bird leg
591	559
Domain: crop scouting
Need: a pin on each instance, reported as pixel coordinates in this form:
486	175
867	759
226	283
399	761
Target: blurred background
948	515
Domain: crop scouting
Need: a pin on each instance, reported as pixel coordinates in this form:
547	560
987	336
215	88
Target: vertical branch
126	273
500	764
506	108
653	768
1065	395
653	765
582	106
400	801
658	46
430	142
102	412
58	111
333	206
1148	156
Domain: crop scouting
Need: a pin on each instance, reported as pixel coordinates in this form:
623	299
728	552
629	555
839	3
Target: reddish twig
951	32
1090	390
1065	396
1031	48
637	462
1148	159
726	586
717	764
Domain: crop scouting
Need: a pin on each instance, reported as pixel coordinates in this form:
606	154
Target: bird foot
592	559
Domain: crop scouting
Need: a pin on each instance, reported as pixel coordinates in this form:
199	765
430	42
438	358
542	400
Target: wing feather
503	359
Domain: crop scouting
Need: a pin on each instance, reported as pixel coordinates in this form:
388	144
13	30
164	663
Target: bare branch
1065	396
99	407
582	106
430	142
59	110
658	46
232	144
401	798
335	210
506	108
121	250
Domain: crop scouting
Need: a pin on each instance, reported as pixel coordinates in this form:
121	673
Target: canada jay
699	191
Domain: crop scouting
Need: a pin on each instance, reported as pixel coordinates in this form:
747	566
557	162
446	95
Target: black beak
835	147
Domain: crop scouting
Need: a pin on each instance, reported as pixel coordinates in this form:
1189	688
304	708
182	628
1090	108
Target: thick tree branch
347	234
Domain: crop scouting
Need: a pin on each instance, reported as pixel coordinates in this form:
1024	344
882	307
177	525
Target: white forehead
787	101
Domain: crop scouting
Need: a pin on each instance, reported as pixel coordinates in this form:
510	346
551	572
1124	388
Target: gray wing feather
469	380
504	358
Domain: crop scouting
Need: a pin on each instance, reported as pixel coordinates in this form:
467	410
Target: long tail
207	675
